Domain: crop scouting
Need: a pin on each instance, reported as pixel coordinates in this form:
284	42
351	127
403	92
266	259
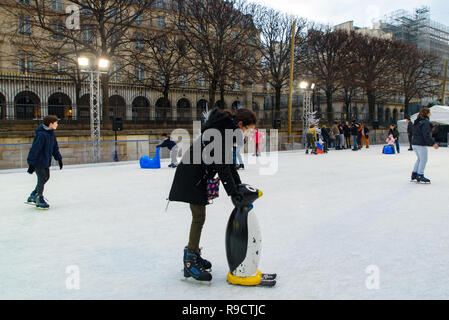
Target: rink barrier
14	155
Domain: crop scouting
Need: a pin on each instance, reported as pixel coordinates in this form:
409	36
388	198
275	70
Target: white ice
327	223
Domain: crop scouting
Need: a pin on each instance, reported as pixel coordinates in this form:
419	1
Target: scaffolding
417	28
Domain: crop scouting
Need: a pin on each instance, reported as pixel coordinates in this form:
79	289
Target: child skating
39	159
172	147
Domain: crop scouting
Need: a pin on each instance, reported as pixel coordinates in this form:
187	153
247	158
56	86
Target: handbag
213	189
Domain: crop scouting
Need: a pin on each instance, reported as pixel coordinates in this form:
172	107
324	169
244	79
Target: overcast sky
363	12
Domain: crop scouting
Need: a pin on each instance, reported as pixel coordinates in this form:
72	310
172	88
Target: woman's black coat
422	132
190	181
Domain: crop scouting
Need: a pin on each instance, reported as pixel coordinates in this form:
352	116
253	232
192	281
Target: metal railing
14	156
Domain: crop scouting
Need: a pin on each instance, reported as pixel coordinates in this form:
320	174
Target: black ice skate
193	269
203	262
421	179
31	199
41	204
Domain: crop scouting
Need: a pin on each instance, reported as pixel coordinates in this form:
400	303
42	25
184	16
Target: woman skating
422	138
198	166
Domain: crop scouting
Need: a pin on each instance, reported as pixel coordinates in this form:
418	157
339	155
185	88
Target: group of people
340	136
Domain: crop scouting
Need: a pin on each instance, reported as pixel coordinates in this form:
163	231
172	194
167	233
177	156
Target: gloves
60	164
31	169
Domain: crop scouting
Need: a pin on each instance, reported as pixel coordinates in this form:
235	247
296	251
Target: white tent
438	115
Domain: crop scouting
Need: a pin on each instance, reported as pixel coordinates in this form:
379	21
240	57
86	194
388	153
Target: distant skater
172	147
421	139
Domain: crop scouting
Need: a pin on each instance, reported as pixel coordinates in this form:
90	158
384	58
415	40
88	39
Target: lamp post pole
307	108
115	131
290	92
95	114
94	79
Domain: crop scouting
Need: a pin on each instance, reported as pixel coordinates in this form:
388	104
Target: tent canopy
438	115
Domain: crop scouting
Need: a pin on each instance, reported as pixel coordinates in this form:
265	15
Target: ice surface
324	219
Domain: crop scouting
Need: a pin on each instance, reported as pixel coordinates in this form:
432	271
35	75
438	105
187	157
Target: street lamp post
307	89
94	70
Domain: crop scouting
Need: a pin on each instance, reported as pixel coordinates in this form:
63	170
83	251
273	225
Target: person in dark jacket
198	166
354	134
43	149
172	147
326	138
347	135
409	133
421	139
394	131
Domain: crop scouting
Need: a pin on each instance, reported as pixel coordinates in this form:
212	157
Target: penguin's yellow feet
245	281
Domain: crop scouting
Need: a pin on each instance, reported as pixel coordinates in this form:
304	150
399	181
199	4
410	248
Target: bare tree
348	79
416	70
214	31
102	33
160	61
325	60
275	48
374	64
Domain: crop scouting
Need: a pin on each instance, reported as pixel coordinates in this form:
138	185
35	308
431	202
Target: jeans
342	140
355	142
239	156
397	146
174	155
43	175
421	153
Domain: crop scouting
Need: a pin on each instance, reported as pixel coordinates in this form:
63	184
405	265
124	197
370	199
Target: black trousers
43	175
198	219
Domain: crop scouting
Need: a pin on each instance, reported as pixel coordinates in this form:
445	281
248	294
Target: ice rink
333	226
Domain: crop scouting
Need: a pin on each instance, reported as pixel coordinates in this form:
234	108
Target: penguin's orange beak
260	193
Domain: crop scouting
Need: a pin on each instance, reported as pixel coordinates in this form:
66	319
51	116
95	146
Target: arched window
27	106
60	104
184	111
117	107
141	109
201	106
84	108
163	109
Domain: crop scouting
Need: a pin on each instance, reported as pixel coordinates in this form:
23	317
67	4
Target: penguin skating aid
244	243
